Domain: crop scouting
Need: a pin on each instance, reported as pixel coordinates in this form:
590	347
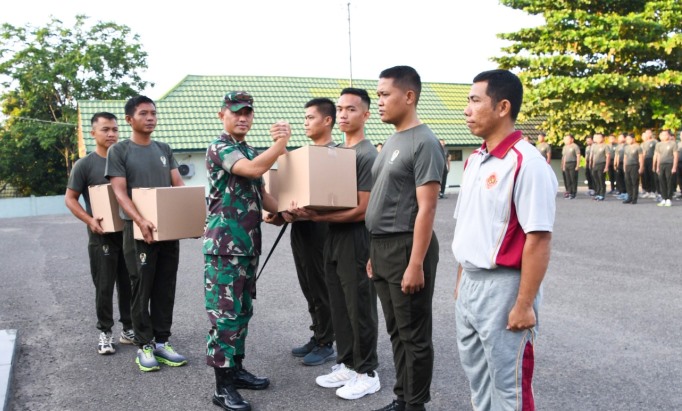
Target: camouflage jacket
234	202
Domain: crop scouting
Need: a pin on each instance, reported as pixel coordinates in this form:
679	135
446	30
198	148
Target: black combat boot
246	380
226	395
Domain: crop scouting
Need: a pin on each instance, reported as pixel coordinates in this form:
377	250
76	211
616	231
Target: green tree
599	65
44	71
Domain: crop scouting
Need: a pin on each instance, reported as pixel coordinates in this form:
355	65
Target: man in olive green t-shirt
665	165
570	163
544	148
107	266
633	166
649	179
153	265
600	156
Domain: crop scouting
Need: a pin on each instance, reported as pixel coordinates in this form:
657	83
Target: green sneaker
146	360
165	354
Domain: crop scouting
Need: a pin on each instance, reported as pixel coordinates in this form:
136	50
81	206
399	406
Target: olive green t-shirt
570	153
409	159
632	152
88	171
143	166
648	148
620	151
544	149
666	151
599	152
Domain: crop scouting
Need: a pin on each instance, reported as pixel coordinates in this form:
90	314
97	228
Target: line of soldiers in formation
651	164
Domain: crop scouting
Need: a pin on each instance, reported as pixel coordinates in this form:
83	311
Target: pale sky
445	41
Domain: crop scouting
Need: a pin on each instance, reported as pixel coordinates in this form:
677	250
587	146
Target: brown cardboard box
270	178
176	212
104	205
317	177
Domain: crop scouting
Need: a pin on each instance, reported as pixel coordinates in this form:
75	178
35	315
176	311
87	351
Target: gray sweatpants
498	362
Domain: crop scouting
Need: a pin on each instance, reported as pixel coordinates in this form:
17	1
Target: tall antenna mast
350	50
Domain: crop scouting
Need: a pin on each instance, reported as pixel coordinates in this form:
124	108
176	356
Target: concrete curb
8	354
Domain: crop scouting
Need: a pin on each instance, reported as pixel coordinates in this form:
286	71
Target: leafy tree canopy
599	65
43	72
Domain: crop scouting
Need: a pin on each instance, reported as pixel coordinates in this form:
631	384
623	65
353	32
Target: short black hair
360	92
405	78
102	114
133	102
325	106
503	85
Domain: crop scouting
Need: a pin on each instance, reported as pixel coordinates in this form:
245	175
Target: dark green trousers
599	179
632	181
666	180
109	271
408	317
571	174
352	296
153	270
307	246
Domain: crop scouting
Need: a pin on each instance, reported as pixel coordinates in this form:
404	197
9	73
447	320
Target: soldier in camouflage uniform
232	244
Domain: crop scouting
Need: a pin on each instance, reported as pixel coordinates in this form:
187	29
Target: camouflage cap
237	100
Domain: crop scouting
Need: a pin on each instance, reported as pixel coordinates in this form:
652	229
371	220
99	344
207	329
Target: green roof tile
188	118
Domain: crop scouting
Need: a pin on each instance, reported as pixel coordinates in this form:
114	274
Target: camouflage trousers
229	286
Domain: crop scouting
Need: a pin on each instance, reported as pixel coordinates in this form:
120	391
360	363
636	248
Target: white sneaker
106	343
359	386
668	203
339	376
661	203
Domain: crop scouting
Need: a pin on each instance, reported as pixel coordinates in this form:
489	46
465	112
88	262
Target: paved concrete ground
610	335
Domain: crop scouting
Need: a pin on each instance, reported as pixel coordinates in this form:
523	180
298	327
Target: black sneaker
396	405
303	350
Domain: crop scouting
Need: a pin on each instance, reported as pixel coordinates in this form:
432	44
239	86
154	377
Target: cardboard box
104	205
270	178
176	212
317	177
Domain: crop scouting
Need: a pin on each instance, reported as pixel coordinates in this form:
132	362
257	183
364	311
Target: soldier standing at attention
232	244
544	148
620	171
601	156
611	143
633	164
404	248
665	165
105	250
346	252
153	265
570	164
649	178
588	170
